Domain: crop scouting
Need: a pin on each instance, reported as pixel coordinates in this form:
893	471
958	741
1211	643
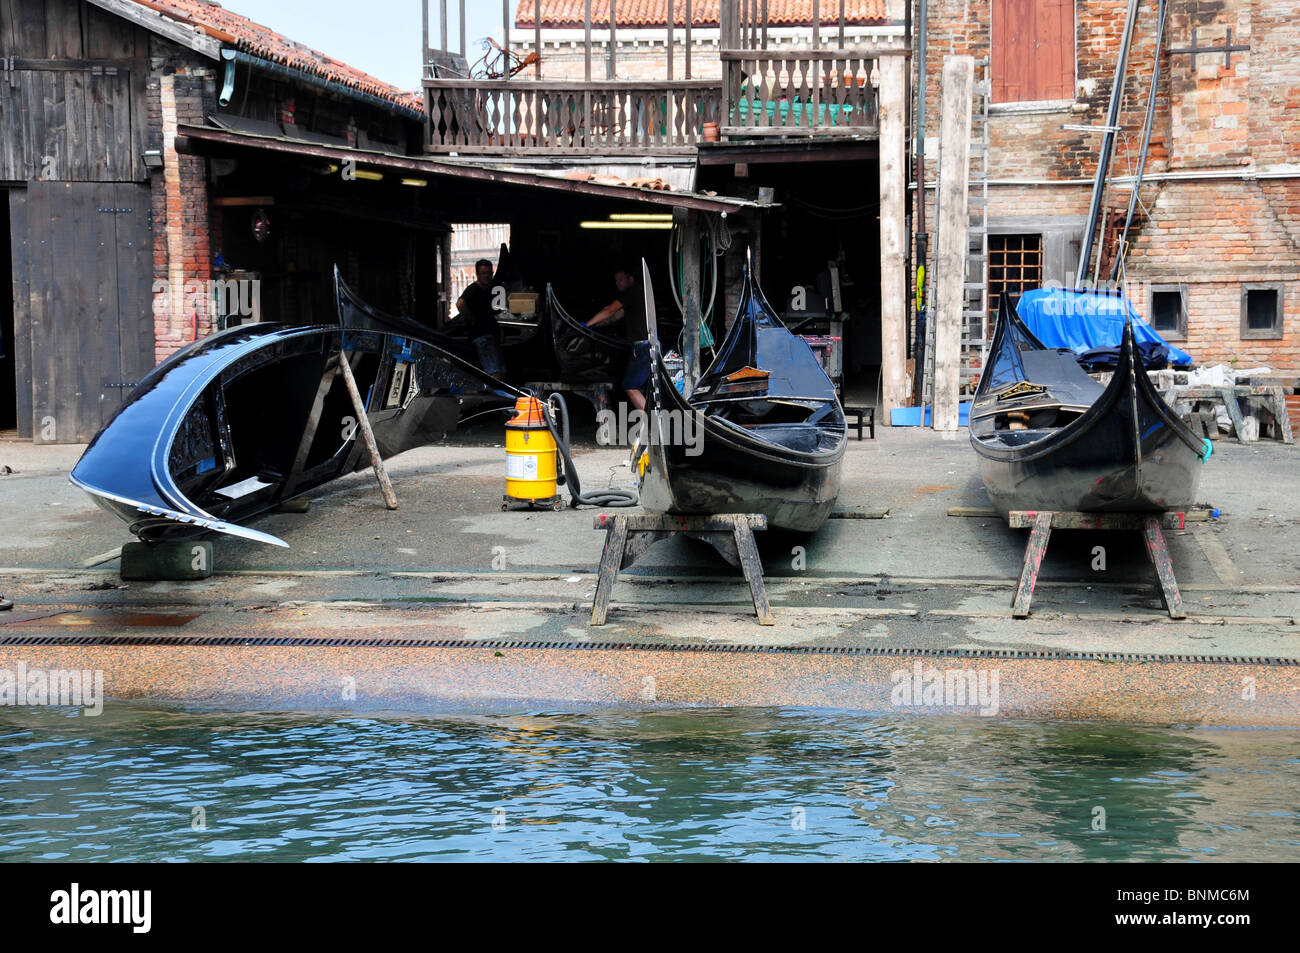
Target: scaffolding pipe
1107	145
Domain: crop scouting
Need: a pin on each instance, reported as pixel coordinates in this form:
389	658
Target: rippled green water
648	785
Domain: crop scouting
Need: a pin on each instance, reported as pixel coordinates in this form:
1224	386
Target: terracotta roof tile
651	13
255	39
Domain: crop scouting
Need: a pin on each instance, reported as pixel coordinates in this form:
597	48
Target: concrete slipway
448	602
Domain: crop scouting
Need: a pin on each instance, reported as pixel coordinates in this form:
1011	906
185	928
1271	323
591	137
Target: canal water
148	784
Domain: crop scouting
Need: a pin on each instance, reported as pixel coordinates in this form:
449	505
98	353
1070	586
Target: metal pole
1107	145
1146	137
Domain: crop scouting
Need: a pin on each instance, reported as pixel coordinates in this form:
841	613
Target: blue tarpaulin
1083	320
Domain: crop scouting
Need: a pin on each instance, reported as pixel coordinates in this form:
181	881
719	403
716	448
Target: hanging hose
569	475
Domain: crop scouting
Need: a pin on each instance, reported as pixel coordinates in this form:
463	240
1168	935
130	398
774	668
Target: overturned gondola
237	423
1049	437
762	431
583	354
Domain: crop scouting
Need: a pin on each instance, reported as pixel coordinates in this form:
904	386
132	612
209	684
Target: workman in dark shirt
475	307
629	306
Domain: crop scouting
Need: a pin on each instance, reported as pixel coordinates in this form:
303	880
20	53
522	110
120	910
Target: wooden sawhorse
628	536
1042	522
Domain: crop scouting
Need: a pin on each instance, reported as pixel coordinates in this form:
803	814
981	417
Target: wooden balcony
821	85
489	117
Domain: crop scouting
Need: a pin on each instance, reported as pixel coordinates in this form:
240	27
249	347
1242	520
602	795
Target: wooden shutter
1054	61
1032	50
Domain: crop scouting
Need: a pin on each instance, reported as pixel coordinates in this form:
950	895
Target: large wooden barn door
90	317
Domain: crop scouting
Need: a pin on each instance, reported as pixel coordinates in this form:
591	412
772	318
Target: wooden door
89	252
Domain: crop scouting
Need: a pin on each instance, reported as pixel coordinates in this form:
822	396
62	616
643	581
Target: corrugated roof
559	14
241	33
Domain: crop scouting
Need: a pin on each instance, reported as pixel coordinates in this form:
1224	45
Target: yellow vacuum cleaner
530	458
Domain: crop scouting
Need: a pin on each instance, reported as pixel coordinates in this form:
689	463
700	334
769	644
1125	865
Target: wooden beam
236	201
952	221
688	36
586	26
199	140
668	44
537	36
611	69
505	33
691	293
893	237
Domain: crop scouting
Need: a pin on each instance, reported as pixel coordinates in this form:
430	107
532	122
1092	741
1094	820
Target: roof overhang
163	25
205	140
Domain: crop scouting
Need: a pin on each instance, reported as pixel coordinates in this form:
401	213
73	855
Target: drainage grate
725	649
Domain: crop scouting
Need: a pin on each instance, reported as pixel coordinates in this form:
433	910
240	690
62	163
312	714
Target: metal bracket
1227	49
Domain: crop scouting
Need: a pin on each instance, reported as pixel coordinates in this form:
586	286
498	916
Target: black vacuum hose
569	475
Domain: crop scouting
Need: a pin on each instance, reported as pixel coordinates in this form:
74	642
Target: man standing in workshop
629	305
475	306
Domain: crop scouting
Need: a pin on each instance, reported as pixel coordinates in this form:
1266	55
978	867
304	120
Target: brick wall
181	90
1222	124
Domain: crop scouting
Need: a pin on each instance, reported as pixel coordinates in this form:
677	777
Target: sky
381	37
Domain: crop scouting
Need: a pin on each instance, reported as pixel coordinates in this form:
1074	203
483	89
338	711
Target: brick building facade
1213	258
641	41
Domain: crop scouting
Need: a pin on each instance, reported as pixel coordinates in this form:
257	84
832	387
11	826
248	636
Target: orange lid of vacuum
528	413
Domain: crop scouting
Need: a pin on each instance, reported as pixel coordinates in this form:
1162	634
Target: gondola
582	353
241	421
1049	437
762	432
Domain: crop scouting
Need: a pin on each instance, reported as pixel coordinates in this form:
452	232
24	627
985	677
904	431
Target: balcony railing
822	87
512	116
826	92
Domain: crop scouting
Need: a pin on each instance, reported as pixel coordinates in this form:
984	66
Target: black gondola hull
763	432
240	422
733	473
1123	451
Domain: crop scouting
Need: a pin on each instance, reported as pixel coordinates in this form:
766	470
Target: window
1033	50
1167	310
1261	311
1015	266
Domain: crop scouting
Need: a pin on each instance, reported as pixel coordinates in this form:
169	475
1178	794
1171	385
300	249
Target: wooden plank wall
74	107
88	303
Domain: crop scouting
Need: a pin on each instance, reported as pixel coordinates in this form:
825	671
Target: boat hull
1126	451
238	423
732	474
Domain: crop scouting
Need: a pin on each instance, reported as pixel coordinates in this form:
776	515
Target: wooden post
444	260
537	36
952	215
687	46
893	235
611	68
691	293
363	422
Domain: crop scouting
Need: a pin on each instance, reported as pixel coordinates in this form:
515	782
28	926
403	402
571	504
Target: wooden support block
628	536
611	561
753	569
179	560
299	504
1158	550
1034	552
1229	397
1277	403
980	511
858	513
368	435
